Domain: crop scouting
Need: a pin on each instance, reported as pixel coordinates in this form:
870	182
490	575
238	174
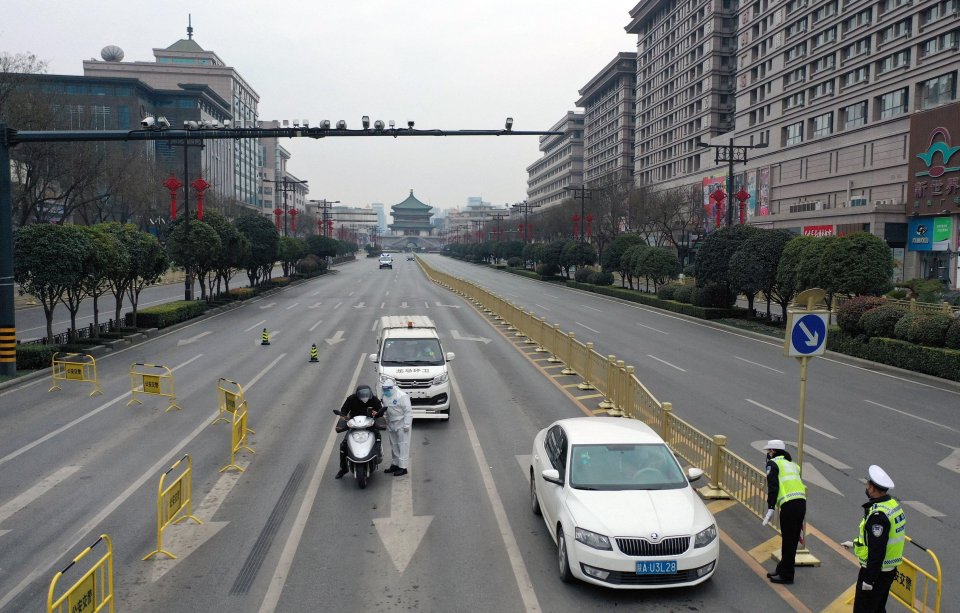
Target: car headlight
441	378
705	536
592	539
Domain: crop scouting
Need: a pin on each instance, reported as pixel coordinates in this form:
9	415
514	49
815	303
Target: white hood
639	513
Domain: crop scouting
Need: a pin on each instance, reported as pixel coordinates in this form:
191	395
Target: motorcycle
363	453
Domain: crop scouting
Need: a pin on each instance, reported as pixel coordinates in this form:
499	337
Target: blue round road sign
808	335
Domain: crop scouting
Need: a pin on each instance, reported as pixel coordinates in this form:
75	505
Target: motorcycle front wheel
362	475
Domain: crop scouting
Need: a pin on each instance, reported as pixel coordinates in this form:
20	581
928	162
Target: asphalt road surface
457	533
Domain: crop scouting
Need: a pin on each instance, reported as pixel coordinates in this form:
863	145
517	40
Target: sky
445	64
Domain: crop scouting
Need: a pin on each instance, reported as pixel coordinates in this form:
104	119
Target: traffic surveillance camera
378	125
509	124
306	123
392	124
410	124
148	122
366	122
163	122
296	123
325	124
226	124
190	125
341	124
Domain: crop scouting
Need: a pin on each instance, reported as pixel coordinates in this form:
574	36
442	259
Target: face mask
388	391
364	396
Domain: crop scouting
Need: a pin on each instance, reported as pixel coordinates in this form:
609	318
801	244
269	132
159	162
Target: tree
195	246
613	260
291	250
658	264
323	246
49	259
676	213
753	267
576	253
147	261
109	259
263	239
233	246
859	264
713	261
788	269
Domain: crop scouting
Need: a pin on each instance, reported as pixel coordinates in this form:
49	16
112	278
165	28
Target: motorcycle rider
399	413
362	402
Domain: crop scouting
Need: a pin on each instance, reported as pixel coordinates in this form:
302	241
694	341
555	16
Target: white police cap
879	477
775	444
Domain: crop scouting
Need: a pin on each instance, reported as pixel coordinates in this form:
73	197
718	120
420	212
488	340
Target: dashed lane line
653	357
788	418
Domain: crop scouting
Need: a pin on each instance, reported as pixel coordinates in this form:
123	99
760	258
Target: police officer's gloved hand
847	544
865	587
406	428
767	517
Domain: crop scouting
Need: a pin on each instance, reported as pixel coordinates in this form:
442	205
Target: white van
409	352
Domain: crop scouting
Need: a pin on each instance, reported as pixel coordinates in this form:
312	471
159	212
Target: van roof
406	321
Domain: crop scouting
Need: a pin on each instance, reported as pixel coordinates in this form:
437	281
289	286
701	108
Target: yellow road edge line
718	506
588	397
840	604
761	553
781	590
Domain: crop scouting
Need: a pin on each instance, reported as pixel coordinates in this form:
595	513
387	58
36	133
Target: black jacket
353	406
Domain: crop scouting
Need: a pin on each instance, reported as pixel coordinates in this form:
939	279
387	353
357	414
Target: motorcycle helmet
364	393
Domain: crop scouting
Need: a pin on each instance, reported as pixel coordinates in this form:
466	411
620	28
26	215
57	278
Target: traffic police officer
785	491
879	543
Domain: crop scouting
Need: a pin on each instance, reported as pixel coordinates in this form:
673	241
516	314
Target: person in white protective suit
399	415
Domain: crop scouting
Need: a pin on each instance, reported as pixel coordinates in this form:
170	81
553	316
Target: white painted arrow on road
315	305
457	337
45	485
402	532
952	461
267	306
193	339
336	338
403	305
452	306
811	474
359	305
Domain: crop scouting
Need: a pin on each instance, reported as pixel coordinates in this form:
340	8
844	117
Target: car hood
639	513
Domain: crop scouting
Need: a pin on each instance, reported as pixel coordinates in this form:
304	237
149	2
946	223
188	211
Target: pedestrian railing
912	305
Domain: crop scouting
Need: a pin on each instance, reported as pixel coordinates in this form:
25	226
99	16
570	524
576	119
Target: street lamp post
524	207
581	193
286	185
324	206
188	277
731	154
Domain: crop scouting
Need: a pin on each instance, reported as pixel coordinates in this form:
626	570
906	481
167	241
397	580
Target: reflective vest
790	486
895	540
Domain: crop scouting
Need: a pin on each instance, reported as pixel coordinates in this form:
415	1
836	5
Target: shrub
932	329
602	277
944	363
168	314
952	339
850	312
515	262
583	275
310	264
881	321
667	292
904	328
242	293
34	356
898	293
683	294
713	295
548	270
279	281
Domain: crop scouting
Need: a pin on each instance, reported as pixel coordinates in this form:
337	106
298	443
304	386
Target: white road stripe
256	325
76	421
587	327
38	490
524	584
279	578
653	357
541	306
760	365
788	418
923	508
316	293
591	308
314	326
338	306
292	305
649	328
883	406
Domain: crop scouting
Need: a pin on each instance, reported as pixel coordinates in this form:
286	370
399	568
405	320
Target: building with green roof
411	217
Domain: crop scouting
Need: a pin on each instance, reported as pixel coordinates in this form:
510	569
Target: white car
619	506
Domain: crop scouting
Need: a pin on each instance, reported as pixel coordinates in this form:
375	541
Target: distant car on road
411	257
386	261
619	507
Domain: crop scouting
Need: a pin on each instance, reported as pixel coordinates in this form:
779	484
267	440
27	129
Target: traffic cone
264	338
313	353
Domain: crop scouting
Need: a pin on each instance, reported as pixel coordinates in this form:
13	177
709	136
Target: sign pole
803	409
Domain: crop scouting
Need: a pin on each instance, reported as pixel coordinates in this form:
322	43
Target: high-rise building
275	179
608	121
560	164
185	65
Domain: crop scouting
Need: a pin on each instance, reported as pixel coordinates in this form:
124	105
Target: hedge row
167	314
944	363
34	356
668	305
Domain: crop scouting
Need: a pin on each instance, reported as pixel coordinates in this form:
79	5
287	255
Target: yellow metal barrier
152	379
75	367
238	437
171	500
93	591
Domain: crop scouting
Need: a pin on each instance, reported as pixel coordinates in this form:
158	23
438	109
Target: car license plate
664	567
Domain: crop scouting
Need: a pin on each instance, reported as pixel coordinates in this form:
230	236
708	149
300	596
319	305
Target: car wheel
534	503
564	564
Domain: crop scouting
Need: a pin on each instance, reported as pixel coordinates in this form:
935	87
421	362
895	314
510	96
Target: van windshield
411	352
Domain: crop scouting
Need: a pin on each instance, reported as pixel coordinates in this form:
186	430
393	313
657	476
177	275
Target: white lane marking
591	308
402	531
314	326
653	357
315	305
760	365
387	293
923	508
316	293
883	406
524	584
810	451
550	295
788	418
952	461
426	304
337	306
403	304
458	337
42	487
336	338
285	561
587	327
382	304
292	305
649	328
267	306
106	511
541	306
373	326
256	325
76	421
351	293
193	339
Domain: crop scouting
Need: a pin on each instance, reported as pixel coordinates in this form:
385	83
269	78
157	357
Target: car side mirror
450	355
553	476
373	358
693	474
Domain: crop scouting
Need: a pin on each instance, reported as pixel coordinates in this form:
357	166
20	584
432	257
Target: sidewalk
26	301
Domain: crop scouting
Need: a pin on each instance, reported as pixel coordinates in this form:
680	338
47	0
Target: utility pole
498	217
324	207
285	185
731	154
188	277
525	207
581	193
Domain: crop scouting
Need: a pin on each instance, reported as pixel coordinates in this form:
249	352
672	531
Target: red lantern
589	220
277	213
199	185
293	218
743	195
173	184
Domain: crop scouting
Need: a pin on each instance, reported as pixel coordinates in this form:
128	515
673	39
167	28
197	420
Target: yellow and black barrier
75	367
93	591
171	500
230	396
913	587
152	379
238	437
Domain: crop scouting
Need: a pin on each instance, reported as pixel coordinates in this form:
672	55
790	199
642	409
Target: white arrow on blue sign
808	334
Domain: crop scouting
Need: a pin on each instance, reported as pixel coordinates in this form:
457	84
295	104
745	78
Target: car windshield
412	352
625	467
